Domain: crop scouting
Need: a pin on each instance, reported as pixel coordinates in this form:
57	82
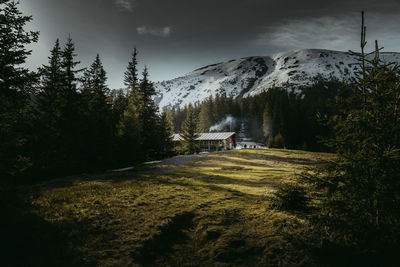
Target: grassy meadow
210	209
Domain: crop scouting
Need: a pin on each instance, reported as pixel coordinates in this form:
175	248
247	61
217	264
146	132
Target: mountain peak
253	75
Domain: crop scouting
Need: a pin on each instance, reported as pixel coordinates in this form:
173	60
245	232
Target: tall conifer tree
206	116
359	190
98	113
72	118
147	115
189	132
69	66
49	105
131	74
16	83
165	133
129	133
121	101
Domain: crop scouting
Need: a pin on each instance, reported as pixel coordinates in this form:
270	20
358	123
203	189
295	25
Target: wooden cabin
211	141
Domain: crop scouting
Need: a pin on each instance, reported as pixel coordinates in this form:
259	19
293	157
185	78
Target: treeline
63	119
277	118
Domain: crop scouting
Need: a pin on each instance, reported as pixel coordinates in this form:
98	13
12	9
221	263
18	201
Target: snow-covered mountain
254	75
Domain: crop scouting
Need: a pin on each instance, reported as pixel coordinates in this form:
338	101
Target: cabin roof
207	136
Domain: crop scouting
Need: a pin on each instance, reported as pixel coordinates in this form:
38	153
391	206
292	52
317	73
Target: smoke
267	126
229	122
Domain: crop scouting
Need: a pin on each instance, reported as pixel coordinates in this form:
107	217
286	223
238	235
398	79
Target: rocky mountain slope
253	75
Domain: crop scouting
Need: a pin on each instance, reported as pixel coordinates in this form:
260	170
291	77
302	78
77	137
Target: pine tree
189	132
146	88
98	114
147	116
165	133
52	81
206	118
126	112
59	112
15	79
131	77
94	80
72	111
16	83
129	130
120	101
69	64
49	107
360	189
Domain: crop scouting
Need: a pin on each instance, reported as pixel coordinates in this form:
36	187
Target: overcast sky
177	36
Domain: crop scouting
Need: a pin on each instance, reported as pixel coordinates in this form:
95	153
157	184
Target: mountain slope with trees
254	75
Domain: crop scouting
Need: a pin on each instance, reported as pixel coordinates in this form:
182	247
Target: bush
291	197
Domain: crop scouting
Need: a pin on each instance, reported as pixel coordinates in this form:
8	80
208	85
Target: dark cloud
204	32
156	31
126	4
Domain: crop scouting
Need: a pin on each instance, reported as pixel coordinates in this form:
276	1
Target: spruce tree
120	101
52	79
129	133
72	110
148	116
131	74
69	66
59	112
189	132
49	107
206	115
360	189
94	80
98	114
165	134
16	83
126	112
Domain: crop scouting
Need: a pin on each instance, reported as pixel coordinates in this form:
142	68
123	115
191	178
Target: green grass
211	211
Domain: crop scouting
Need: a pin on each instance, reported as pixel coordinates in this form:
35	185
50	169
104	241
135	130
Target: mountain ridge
249	76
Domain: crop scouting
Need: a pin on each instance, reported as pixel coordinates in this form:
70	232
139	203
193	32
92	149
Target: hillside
196	210
253	75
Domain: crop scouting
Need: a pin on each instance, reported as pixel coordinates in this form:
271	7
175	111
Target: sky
174	37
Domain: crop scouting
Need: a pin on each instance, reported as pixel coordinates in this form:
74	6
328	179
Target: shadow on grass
330	254
224	180
28	240
240	196
170	234
140	170
287	159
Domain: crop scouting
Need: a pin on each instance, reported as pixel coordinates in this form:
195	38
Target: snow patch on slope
253	75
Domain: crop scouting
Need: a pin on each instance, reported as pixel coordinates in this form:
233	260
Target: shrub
289	196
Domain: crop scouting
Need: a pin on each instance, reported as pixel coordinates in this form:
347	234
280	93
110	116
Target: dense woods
63	118
277	118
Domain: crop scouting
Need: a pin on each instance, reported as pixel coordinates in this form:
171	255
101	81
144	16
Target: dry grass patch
207	212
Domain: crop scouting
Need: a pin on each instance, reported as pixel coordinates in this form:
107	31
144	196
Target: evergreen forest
327	187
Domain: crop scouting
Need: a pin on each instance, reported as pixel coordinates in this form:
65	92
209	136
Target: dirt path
170	163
